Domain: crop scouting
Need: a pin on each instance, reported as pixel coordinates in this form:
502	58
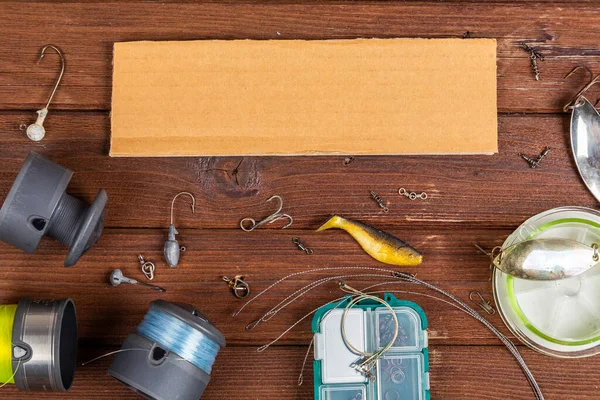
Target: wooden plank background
478	198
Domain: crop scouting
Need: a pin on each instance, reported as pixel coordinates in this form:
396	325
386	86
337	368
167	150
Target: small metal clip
301	245
238	286
481	302
148	267
251	224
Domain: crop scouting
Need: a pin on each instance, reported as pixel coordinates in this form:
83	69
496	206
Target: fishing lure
547	259
172	249
378	244
585	136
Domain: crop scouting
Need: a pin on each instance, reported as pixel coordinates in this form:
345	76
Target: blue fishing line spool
170	356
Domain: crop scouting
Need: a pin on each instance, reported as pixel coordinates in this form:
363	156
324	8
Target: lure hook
172	250
36	131
277	215
179	194
62	69
577	100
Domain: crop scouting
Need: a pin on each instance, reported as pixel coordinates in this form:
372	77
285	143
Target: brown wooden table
474	198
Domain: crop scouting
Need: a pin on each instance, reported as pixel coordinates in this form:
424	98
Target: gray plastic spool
38	205
157	374
44	339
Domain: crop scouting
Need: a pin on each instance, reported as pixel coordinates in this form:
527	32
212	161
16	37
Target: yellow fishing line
7	318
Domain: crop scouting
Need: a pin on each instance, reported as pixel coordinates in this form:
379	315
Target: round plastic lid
559	318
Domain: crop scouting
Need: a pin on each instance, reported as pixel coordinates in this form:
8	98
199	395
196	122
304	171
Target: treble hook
172	249
577	101
277	215
36	131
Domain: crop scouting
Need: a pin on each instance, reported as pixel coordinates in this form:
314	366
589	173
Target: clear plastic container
337	358
410	334
343	392
559	318
401	377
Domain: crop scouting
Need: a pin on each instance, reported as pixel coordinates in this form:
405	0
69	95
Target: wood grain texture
564	33
456	373
498	191
479	198
263	257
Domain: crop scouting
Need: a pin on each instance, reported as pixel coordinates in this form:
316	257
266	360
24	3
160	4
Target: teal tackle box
402	372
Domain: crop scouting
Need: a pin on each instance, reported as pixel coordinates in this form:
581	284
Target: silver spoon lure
546	259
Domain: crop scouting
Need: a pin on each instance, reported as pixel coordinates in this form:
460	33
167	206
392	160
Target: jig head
172	249
36	131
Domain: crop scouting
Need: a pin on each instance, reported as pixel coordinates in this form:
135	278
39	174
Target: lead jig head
172	249
36	131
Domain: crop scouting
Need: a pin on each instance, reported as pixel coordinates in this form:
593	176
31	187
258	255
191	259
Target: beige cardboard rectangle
293	97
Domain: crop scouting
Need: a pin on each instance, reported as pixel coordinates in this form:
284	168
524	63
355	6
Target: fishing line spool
38	205
180	347
38	345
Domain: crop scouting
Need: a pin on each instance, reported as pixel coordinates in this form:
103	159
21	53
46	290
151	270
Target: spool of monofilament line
38	345
170	356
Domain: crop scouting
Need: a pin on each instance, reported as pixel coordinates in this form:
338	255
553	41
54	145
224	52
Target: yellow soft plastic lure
378	244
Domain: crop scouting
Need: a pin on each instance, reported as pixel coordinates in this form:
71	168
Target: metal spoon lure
546	259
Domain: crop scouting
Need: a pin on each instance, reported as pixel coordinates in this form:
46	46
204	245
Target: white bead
36	132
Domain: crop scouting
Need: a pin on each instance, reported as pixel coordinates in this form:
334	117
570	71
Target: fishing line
459	304
171	353
369	361
301	376
291	298
180	338
306	289
7	317
110	354
310	271
38	345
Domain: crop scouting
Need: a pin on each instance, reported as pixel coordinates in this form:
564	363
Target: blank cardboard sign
294	97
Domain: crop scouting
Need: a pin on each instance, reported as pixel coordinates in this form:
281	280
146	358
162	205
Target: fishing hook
36	131
172	250
277	215
577	100
179	194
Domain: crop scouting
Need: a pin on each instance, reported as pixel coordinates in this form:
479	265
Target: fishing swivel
249	224
238	286
148	267
301	245
36	131
172	249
